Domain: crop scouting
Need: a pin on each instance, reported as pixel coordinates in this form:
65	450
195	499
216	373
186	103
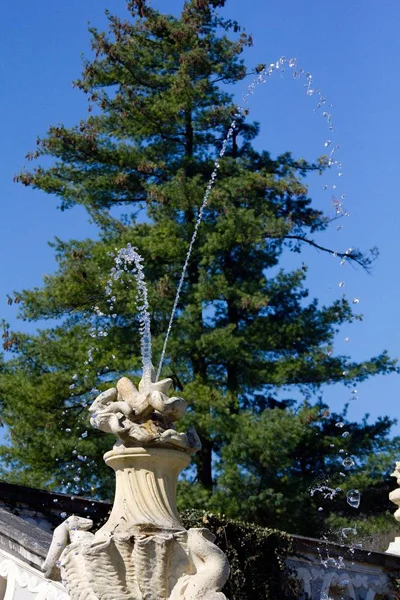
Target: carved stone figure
396	473
143	416
394	496
143	551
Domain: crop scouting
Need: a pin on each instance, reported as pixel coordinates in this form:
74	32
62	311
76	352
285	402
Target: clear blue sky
353	51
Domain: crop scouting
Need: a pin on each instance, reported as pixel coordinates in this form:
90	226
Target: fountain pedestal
142	552
145	489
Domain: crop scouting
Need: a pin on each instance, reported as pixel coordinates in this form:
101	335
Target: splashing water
262	77
129	257
353	498
327	492
348	462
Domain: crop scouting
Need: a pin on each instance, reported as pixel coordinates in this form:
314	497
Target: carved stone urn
142	552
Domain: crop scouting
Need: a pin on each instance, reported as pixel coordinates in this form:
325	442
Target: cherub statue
142	416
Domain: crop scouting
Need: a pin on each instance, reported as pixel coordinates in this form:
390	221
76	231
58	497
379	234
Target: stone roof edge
23	540
310	545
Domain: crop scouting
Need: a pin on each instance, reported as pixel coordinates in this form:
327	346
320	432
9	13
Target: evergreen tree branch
356	256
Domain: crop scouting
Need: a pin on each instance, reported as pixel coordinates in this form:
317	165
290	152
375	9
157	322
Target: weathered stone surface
143	416
23	540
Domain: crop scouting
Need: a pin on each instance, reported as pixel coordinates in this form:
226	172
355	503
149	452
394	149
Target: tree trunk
204	465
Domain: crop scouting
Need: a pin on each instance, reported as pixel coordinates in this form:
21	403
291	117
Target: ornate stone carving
18	579
143	551
353	580
394	496
143	416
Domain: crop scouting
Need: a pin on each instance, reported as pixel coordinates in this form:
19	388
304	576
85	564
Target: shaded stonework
328	571
23	546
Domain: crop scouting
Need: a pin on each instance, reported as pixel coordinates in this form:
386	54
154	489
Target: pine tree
158	114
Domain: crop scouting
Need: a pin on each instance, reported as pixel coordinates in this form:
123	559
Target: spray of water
261	77
129	257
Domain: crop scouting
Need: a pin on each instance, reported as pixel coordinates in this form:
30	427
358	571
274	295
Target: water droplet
341	451
342	474
346	339
340	424
353	498
348	462
55	500
342	284
345	434
76	478
68	430
63	515
356	301
84	434
345	373
346	531
320	509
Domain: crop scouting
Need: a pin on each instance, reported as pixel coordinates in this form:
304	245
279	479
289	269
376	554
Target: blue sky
353	51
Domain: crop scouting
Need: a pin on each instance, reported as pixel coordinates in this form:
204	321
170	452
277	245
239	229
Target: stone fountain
143	552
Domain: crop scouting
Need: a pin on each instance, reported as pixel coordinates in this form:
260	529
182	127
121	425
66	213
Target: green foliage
246	332
256	557
368	531
282	465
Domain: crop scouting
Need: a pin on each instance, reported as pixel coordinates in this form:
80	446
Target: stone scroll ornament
143	552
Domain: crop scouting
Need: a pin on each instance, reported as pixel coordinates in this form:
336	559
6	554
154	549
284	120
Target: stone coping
50	504
23	540
308	545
